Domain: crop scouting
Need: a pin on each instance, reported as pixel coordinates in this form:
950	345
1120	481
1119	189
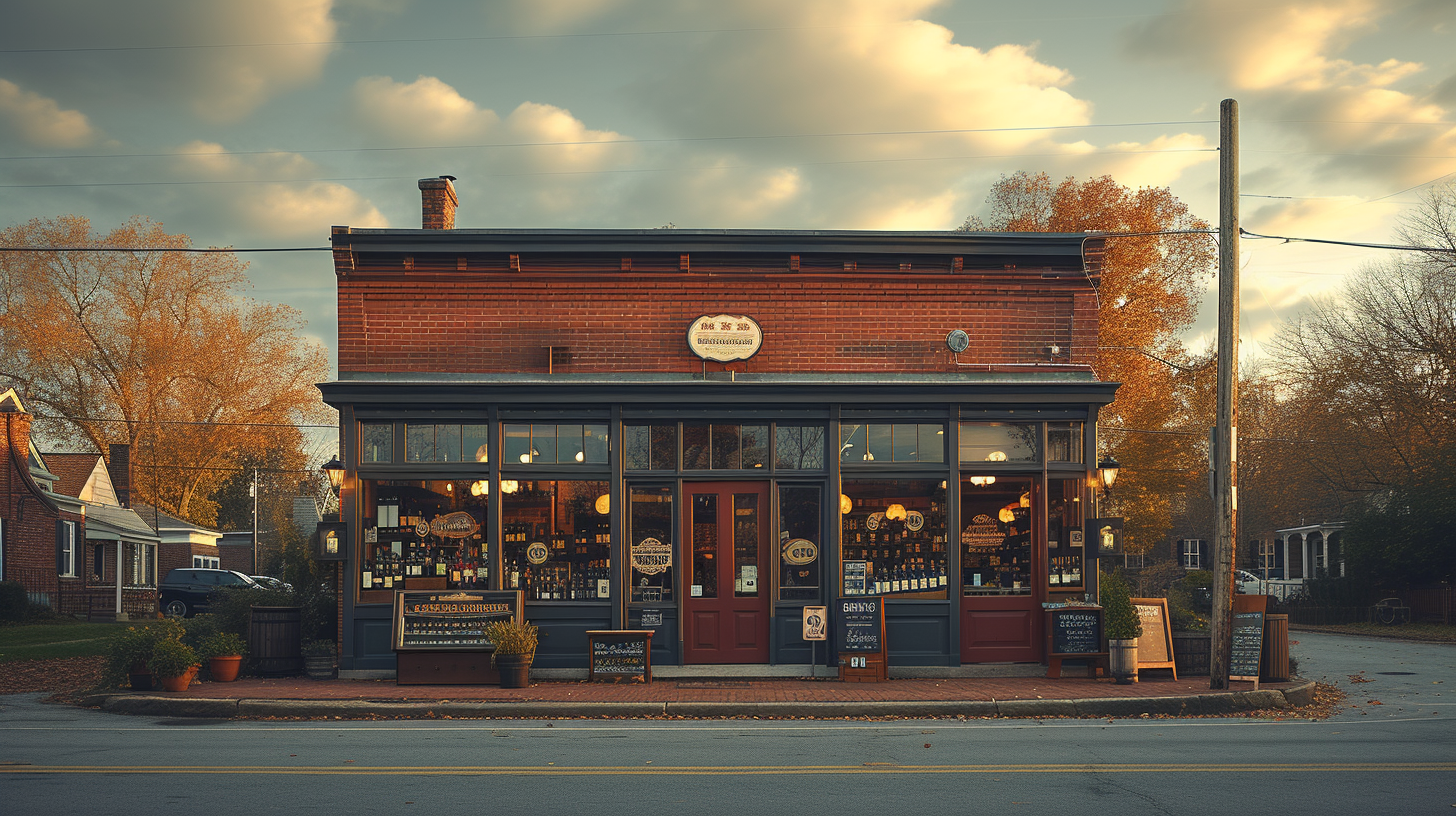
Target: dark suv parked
184	591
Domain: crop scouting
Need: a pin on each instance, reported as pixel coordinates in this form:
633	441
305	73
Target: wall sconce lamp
334	469
1107	472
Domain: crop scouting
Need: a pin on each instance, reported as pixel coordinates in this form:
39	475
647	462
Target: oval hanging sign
724	338
800	551
651	557
536	552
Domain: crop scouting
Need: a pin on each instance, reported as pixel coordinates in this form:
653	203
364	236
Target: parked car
183	592
1249	583
269	582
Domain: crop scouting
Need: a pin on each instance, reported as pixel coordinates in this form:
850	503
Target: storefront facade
701	432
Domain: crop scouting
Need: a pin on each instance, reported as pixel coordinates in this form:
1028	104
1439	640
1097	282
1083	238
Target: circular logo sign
724	338
536	552
422	529
914	520
651	557
874	520
800	551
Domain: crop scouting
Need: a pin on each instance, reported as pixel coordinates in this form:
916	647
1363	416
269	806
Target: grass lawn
51	639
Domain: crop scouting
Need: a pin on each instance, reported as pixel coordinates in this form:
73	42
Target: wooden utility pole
1225	453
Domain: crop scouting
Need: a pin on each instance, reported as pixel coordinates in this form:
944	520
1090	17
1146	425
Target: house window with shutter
1192	553
66	550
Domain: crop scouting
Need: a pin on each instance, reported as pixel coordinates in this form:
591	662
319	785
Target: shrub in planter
129	650
318	659
515	646
223	652
1123	628
174	663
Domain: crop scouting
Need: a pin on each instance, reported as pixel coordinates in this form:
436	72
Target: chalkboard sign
620	655
1248	646
861	624
856	577
1075	630
450	621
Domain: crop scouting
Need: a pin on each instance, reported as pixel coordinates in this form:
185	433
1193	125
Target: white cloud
426	111
40	121
275	196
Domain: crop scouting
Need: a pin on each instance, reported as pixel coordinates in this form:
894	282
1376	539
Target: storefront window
556	540
650	447
376	442
897	442
1064	535
550	444
801	547
893	537
649	533
1000	442
724	446
996	528
1064	442
423	534
799	447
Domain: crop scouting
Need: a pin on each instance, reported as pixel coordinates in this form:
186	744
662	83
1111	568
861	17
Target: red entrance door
725	609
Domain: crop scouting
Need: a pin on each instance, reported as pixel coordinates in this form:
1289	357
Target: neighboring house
65	549
119	559
307	513
184	544
235	550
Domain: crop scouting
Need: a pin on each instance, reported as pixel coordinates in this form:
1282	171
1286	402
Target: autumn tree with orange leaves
157	350
1150	288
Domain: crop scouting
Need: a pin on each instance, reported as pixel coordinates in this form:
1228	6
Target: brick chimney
437	203
120	467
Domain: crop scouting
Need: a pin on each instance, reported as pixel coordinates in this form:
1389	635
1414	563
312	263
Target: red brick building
703	431
64	534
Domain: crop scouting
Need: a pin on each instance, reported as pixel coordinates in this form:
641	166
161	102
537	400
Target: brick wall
30	523
428	319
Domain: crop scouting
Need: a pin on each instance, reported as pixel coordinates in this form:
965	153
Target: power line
185	422
159	249
619	141
1361	244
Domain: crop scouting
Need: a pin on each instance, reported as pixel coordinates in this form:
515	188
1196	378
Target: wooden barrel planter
1191	651
275	635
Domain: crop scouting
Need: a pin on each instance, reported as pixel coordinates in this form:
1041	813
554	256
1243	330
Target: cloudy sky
262	123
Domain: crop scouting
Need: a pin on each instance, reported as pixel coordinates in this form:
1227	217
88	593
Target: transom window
554	444
892	442
441	442
1000	442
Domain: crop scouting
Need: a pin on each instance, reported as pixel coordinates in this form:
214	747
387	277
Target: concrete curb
1222	704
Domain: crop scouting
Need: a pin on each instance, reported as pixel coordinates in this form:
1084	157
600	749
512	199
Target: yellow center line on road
724	770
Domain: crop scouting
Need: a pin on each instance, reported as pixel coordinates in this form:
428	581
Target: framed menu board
1074	631
1155	646
450	621
1248	646
618	655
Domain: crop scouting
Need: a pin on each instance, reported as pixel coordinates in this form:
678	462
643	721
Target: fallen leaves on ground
62	675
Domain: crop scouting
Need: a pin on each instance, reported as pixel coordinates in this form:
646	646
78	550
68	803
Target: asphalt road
1398	757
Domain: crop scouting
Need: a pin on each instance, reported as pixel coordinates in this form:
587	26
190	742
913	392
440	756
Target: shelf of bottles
902	542
556	541
425	631
1064	536
419	539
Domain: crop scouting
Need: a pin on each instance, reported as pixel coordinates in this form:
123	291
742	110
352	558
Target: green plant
511	636
232	608
319	648
171	658
1121	619
131	648
221	644
198	629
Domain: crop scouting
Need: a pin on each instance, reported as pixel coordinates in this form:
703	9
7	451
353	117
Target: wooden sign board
450	621
1155	647
1248	646
620	655
1074	631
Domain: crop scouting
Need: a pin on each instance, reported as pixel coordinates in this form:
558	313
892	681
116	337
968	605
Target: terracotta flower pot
225	668
181	682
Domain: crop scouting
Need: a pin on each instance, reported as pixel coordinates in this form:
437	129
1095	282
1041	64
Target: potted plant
174	663
515	647
1123	629
223	652
318	659
129	649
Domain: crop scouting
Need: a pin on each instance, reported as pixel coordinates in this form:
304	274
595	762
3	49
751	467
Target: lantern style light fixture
334	469
480	488
983	481
1107	472
604	504
846	504
1007	514
510	485
895	512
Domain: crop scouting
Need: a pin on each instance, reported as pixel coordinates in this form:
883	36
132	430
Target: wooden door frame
764	488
